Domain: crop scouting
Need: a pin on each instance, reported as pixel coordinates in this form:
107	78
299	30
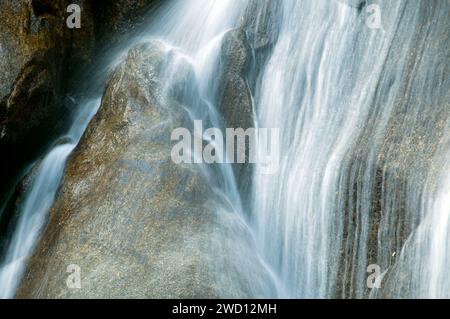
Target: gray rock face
137	224
235	101
403	156
234	95
260	23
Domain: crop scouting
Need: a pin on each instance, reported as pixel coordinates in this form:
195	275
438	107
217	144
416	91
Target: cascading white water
433	239
209	22
38	201
191	31
320	98
336	89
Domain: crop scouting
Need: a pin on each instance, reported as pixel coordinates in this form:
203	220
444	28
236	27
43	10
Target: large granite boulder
42	61
137	224
234	100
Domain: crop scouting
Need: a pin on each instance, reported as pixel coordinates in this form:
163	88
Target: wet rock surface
137	224
140	226
38	56
43	62
401	158
235	97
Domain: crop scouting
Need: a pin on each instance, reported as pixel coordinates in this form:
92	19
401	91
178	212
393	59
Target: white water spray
360	111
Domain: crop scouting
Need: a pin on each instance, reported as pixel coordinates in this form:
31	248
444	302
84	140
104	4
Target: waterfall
39	200
190	31
321	98
364	117
357	147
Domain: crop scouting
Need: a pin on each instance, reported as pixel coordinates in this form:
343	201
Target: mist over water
364	119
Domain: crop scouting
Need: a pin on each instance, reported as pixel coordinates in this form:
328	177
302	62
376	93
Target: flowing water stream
364	176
